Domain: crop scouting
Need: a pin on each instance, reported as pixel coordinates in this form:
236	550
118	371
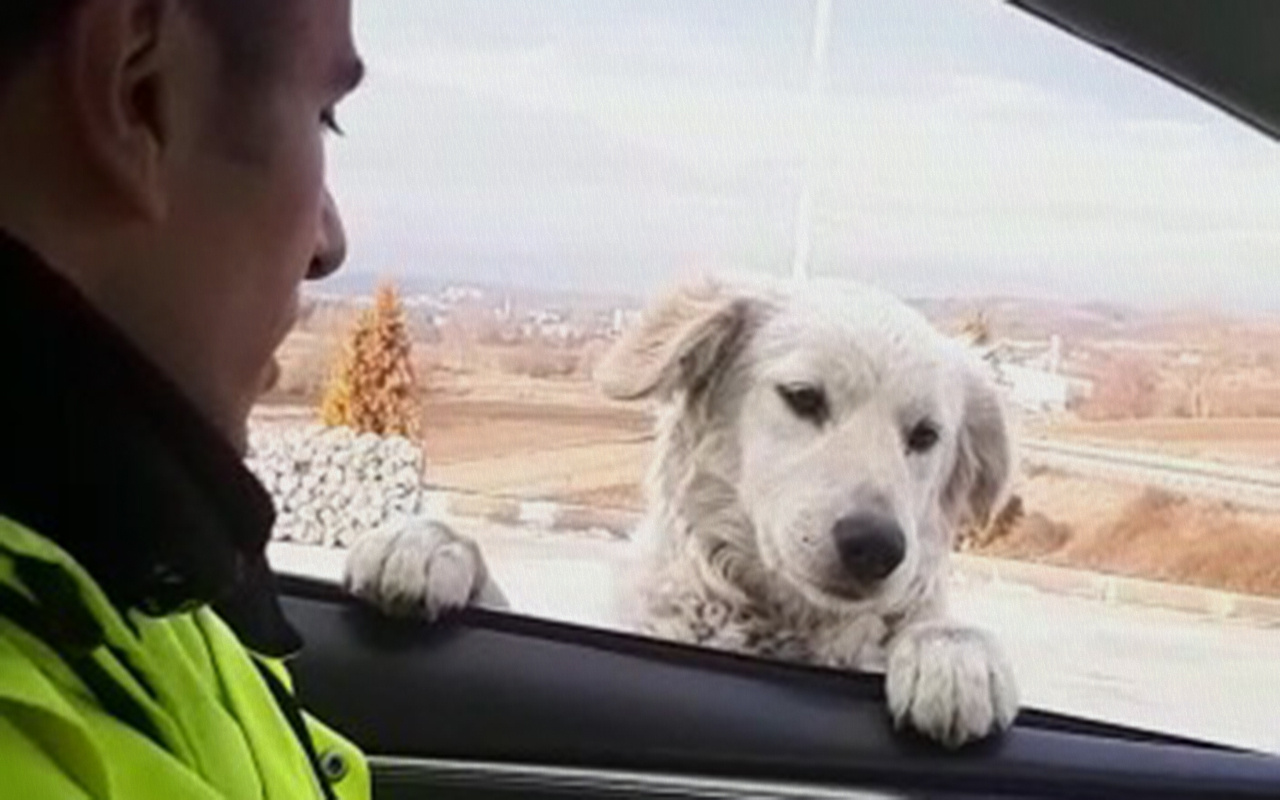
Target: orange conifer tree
373	388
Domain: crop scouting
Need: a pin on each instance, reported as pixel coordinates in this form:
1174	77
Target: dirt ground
1146	533
538	450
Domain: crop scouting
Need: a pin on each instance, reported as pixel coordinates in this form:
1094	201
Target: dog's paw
419	568
952	684
857	645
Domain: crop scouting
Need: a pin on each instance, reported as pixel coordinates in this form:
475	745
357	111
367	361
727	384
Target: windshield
527	177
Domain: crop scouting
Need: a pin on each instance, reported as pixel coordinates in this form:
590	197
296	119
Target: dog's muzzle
871	546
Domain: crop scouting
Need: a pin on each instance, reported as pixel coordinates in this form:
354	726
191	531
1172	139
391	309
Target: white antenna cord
817	75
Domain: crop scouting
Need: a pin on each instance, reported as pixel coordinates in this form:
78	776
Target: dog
816	452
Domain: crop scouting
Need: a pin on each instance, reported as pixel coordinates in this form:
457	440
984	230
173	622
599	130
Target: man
162	196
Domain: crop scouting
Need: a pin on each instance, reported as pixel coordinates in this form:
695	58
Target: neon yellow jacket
204	722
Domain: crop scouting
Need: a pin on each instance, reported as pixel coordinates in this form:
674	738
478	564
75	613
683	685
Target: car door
489	705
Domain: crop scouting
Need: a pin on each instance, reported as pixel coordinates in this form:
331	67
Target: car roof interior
1224	51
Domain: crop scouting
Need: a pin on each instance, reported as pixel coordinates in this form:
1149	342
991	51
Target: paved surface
1246	486
1149	668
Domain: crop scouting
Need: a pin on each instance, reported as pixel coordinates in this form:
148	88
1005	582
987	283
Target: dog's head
859	437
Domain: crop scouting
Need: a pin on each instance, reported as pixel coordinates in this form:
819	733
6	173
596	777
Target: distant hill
1025	318
493	295
1010	317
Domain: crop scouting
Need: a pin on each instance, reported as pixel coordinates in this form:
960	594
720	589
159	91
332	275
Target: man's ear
118	61
680	343
984	454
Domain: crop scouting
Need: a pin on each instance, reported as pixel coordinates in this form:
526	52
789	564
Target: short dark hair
27	24
247	31
250	35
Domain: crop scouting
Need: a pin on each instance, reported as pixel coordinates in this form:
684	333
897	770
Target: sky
958	147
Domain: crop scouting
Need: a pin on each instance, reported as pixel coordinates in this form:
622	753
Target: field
1074	521
491	427
538	449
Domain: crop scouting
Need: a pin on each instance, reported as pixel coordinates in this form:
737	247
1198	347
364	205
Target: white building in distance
1031	375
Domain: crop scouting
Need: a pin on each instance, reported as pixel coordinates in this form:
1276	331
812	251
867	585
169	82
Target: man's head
167	156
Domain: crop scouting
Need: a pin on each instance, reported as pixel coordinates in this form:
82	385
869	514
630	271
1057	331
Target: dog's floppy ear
679	344
984	454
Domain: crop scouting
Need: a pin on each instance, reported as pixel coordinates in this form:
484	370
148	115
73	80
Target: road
1253	488
1143	667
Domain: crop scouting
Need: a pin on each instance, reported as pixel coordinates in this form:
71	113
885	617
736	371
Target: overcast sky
963	148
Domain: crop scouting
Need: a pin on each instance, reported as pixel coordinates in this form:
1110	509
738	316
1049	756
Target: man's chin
237	432
238	438
235	427
271	376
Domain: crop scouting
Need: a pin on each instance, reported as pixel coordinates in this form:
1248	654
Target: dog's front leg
950	682
856	645
420	568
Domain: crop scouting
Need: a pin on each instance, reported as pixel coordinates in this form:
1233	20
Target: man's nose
331	242
871	546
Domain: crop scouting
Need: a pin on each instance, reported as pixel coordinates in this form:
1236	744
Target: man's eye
807	402
922	438
329	119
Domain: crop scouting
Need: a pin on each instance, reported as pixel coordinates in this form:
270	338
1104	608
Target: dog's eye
806	402
922	438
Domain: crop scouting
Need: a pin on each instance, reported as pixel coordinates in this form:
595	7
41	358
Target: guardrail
1243	486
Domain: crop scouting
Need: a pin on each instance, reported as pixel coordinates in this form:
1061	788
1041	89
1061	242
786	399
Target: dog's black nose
870	546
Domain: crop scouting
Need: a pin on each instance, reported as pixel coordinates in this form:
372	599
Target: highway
1250	488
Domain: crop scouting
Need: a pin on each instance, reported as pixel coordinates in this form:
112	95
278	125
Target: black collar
103	455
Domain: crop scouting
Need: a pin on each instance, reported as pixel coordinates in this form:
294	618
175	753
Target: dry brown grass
446	366
540	361
1150	534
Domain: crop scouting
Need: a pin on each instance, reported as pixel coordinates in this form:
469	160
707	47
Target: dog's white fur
420	568
743	493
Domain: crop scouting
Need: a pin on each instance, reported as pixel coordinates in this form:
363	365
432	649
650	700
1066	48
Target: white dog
815	457
816	453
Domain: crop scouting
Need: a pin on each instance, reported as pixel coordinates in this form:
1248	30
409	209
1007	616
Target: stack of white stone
330	485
